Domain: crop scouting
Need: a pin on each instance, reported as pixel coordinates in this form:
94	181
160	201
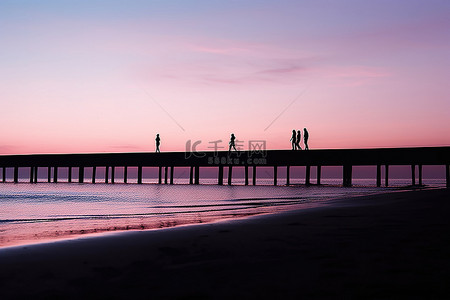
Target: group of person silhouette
295	139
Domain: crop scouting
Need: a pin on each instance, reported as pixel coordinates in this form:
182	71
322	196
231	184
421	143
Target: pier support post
125	174
319	174
140	174
55	174
254	175
106	174
275	175
166	171
171	174
447	175
31	174
35	174
230	174
113	173
246	175
197	175
4	174
308	175
191	175
378	175
420	175
16	174
413	175
69	176
94	173
49	174
80	174
288	176
220	176
347	175
386	175
160	175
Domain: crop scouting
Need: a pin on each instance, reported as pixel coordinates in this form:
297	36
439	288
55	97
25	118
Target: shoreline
390	245
43	232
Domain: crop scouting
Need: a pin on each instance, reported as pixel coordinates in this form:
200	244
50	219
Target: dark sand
390	246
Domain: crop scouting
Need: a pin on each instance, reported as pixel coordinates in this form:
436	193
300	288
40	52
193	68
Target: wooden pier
345	158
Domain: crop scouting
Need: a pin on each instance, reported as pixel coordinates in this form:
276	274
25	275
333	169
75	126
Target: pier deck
347	158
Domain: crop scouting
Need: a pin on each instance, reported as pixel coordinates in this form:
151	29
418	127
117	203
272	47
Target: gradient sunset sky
106	76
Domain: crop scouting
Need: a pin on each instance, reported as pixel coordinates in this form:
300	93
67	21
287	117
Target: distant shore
386	246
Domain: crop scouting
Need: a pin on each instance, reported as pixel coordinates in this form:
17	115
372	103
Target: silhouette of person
305	138
293	140
232	144
297	142
158	142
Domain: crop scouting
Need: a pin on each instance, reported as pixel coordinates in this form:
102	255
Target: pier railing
346	158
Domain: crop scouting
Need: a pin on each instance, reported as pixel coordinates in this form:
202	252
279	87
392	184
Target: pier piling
319	174
420	175
191	175
308	175
140	175
246	175
106	174
166	171
35	174
378	175
220	176
69	176
197	175
288	168
94	173
275	175
81	175
31	174
347	170
55	174
16	174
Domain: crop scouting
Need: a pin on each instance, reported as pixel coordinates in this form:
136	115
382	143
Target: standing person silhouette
157	140
293	140
299	138
232	144
305	138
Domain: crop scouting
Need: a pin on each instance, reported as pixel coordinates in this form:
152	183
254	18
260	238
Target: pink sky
91	77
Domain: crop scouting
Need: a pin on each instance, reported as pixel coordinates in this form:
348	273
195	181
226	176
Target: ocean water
32	213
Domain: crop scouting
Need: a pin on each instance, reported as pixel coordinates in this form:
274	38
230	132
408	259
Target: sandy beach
388	246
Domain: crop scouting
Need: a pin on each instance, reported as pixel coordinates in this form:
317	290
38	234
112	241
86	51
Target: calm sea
31	213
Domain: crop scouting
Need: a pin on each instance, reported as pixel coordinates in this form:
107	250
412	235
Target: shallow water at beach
33	213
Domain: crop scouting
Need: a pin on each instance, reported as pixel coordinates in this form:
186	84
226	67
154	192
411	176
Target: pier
168	161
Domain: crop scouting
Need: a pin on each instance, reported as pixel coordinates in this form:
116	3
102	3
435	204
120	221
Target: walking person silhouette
305	138
297	142
232	144
293	140
158	142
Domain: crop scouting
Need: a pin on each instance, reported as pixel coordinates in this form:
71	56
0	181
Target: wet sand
388	246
